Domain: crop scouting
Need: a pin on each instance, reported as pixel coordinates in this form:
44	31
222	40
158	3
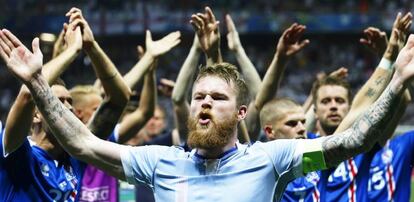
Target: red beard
213	135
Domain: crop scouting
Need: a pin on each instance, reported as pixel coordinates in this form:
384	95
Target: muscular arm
247	68
376	84
72	134
116	93
182	88
20	117
132	123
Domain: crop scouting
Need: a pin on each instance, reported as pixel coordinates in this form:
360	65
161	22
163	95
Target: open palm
157	48
20	61
405	61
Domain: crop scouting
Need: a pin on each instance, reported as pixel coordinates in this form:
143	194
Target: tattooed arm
20	117
71	133
365	132
381	77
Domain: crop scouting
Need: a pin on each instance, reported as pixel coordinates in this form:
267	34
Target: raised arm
136	120
20	117
381	77
70	132
155	49
365	131
116	91
247	68
206	27
288	45
182	88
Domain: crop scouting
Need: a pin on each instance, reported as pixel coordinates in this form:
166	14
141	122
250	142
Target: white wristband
386	64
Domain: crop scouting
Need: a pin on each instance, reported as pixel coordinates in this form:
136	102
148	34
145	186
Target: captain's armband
313	158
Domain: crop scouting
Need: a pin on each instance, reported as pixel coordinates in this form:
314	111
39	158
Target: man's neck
326	131
54	150
216	153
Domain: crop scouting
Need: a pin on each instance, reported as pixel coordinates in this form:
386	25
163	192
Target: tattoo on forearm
370	92
363	134
59	118
379	80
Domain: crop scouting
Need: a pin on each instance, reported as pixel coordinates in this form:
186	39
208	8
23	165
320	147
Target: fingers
410	41
73	10
13	39
294	33
140	51
210	15
230	24
197	22
36	47
4	46
3	54
303	43
77	23
172	39
397	20
148	38
167	82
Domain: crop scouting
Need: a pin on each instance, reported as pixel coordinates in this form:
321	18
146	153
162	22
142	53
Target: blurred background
333	27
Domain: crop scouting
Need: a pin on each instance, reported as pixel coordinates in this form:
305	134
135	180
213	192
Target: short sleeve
114	137
139	163
286	156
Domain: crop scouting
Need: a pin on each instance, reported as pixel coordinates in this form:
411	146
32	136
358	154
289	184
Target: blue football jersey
30	174
390	172
303	189
347	181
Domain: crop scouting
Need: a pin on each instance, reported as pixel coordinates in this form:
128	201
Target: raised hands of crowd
207	29
21	62
290	43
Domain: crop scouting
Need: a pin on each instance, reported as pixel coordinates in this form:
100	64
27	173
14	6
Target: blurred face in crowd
64	96
214	113
85	110
156	124
332	105
291	125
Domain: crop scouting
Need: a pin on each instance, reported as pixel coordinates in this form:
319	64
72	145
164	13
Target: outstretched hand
375	40
404	64
206	27
20	61
233	39
289	43
157	48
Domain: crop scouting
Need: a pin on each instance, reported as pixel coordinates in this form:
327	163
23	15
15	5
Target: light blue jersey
258	172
